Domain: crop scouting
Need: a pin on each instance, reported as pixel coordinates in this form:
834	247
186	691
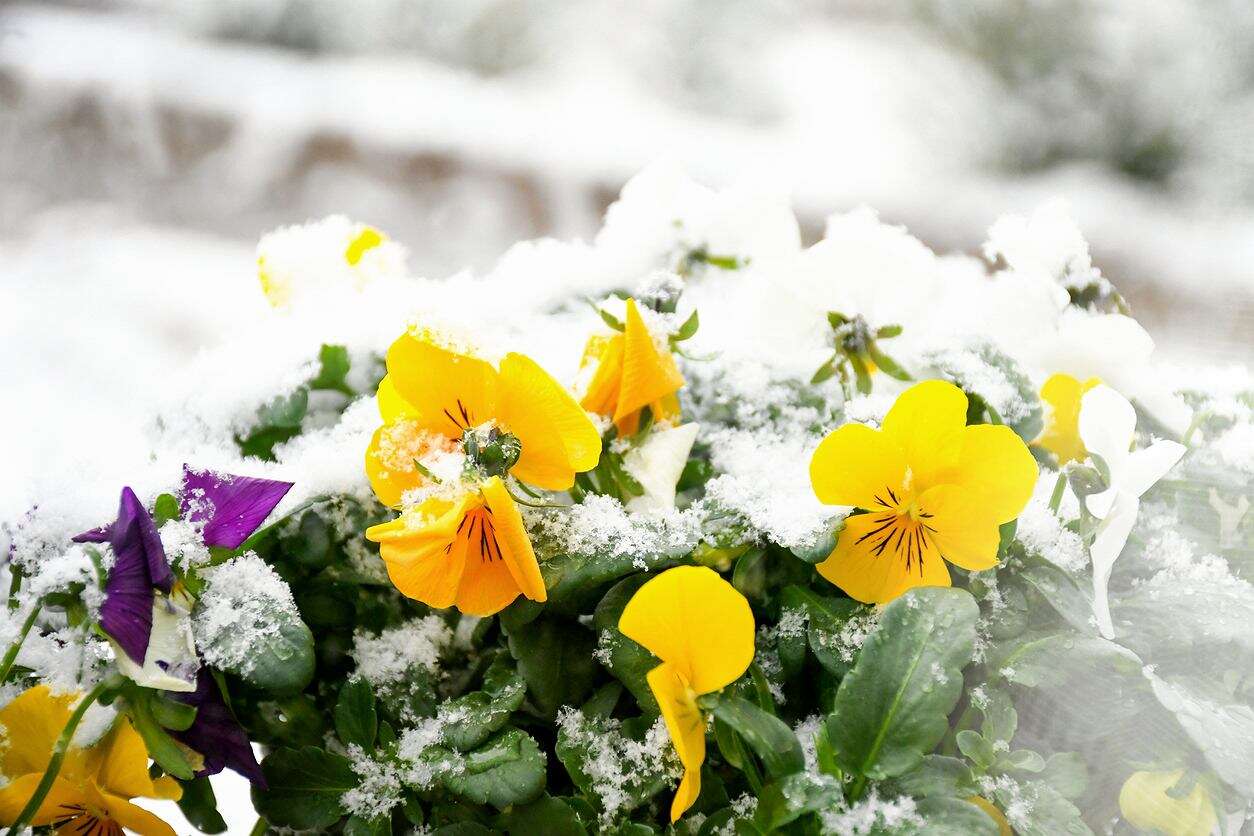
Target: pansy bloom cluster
691	529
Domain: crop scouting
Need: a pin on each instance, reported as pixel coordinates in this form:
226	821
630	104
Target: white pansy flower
657	464
1107	427
171	663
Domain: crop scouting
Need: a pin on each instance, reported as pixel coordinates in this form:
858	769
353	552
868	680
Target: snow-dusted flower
466	546
657	463
1148	803
331	253
1107	428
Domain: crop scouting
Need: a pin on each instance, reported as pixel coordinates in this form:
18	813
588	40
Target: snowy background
145	146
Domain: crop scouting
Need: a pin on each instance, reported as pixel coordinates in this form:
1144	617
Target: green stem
15	585
1055	500
54	763
522	501
6	664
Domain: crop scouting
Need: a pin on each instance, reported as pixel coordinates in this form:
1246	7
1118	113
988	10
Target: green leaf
887	332
1067	773
357	826
825	371
309	542
555	658
276	422
628	661
586	746
954	817
480	713
546	816
304	788
688	330
356	721
768	736
609	319
508	769
793	796
978	750
333	370
1222	729
166	508
176	716
280	661
200	806
892	708
749	576
161	747
937	775
1052	815
1000	718
886	364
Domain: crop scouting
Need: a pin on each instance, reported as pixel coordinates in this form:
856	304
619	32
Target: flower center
490	451
902	528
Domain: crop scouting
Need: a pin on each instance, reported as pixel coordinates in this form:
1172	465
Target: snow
388	658
244	602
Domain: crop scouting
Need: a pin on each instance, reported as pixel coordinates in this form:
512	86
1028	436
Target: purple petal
216	734
232	507
96	535
139	565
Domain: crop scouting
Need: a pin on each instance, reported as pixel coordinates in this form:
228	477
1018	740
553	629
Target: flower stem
54	763
530	504
1055	500
6	664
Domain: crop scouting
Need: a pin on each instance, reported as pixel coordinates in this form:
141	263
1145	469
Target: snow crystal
970	370
184	544
616	764
379	787
243	604
853	633
807	732
871	814
1043	532
600	525
387	658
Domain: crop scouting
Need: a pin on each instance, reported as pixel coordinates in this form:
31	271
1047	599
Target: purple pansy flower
231	507
139	568
216	734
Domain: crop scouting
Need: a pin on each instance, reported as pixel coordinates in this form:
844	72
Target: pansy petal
877	578
686	727
511	537
32	722
649	373
216	735
60	801
126	614
963	527
858	466
132	817
994	463
605	354
558	439
1112	536
698	622
231	507
135	531
1145	467
391	405
925	422
391	460
1061	435
426	562
487	585
1107	424
123	767
448	391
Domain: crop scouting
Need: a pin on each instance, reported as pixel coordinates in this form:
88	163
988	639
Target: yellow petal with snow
995	464
686	726
367	239
697	622
1003	826
649	374
392	459
130	816
878	556
1144	802
515	545
449	392
925	422
858	466
558	439
601	393
1061	435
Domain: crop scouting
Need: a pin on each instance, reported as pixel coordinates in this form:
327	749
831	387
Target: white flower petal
171	663
1107	425
1112	536
657	464
1145	467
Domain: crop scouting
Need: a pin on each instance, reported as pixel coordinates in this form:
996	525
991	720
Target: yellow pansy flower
630	372
934	489
1061	435
465	545
1145	804
702	630
332	251
92	792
